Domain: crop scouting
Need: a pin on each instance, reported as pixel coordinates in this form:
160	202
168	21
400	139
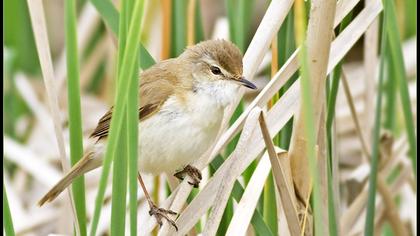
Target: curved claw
160	213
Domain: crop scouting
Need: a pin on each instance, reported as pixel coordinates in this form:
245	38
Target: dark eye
215	70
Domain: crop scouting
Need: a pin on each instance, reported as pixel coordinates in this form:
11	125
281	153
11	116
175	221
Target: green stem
127	67
75	117
7	217
370	215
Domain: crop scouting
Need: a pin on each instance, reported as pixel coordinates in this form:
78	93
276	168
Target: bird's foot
160	213
191	171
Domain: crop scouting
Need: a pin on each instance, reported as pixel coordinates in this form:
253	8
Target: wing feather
154	91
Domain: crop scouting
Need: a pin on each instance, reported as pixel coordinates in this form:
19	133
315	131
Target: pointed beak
247	83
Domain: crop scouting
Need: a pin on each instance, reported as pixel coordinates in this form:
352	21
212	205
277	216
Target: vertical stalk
314	57
75	117
401	77
270	203
124	73
332	98
370	215
119	179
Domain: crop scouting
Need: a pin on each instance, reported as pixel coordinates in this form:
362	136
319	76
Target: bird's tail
87	163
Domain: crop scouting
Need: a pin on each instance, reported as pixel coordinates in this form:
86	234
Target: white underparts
181	132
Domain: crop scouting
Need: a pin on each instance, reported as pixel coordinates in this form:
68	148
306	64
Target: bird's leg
193	172
157	212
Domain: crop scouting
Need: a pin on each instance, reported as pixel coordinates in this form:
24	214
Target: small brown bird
182	101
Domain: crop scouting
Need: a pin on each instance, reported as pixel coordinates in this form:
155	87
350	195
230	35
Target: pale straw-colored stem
318	51
284	188
166	28
191	22
36	12
360	133
370	64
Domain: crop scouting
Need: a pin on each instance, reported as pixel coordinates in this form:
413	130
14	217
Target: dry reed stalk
391	210
37	16
318	48
354	211
246	206
346	125
283	228
370	64
166	28
191	22
284	187
343	8
228	178
360	133
274	64
36	11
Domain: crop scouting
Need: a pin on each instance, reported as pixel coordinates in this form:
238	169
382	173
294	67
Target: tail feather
87	163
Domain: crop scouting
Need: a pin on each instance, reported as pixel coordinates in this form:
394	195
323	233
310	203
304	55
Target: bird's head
217	61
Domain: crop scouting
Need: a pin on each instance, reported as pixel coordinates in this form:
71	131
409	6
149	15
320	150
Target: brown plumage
230	59
156	85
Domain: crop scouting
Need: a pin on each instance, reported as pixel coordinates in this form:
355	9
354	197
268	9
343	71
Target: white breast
181	132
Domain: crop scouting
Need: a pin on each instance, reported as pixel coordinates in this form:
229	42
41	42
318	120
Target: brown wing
102	128
154	91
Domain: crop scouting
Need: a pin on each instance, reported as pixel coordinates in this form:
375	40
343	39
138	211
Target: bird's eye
215	70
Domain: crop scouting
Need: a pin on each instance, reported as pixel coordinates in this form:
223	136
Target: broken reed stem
285	191
350	101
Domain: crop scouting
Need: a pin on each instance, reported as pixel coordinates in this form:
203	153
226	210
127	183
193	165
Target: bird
181	108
